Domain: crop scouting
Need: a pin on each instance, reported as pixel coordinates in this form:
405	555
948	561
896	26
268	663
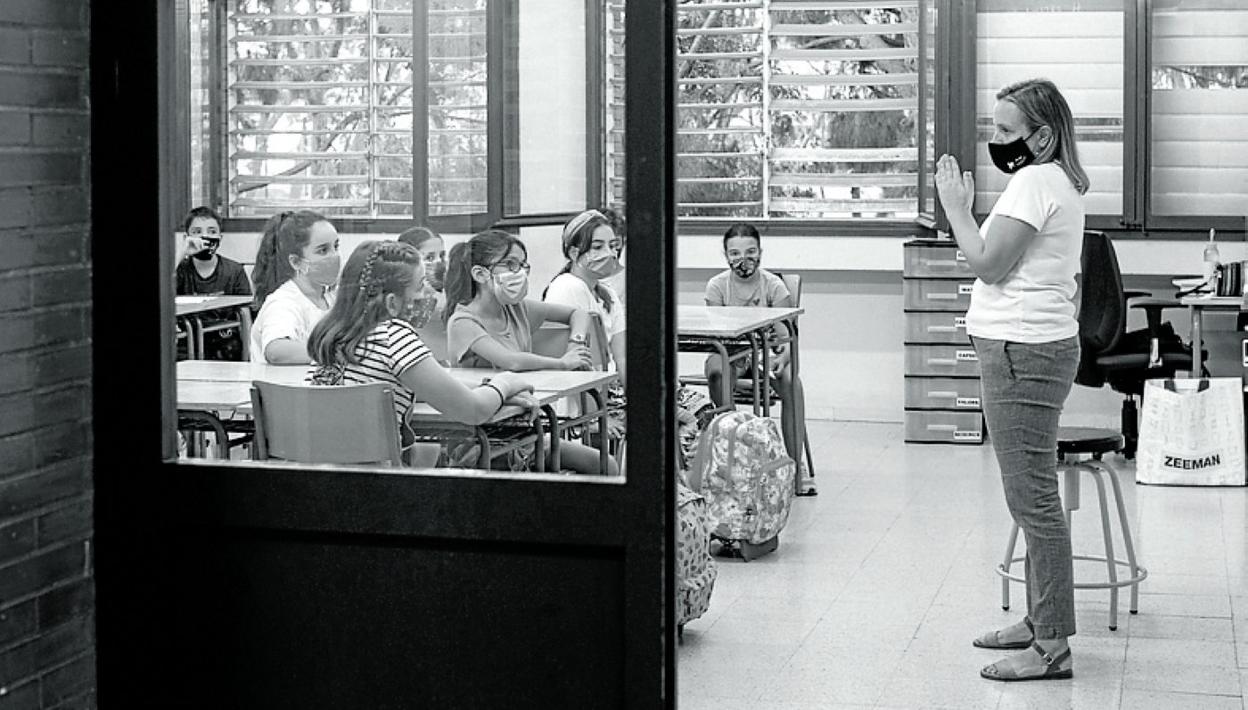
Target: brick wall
47	597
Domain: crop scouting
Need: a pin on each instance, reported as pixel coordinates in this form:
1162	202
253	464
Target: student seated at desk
592	248
367	337
428	318
745	283
296	269
202	272
492	323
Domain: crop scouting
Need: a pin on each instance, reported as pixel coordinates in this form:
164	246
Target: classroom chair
350	424
1111	355
551	339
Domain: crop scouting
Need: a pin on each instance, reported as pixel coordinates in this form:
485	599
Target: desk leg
725	383
483	441
762	385
1198	317
218	430
804	487
244	330
603	443
556	465
539	447
197	332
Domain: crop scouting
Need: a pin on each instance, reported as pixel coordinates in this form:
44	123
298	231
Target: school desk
190	310
1196	306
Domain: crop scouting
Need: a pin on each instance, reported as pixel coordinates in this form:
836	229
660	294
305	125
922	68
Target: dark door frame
175	543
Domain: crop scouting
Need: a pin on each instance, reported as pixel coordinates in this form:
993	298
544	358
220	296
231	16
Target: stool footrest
1141	573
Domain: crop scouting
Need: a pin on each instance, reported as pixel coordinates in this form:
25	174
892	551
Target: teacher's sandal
1052	668
992	639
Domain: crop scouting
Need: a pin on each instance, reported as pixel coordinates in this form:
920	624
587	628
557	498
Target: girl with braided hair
368	337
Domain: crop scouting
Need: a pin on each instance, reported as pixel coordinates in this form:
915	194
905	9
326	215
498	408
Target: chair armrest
1152	313
1157	304
1135	294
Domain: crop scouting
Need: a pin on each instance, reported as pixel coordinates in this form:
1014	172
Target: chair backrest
793	282
349	424
1102	306
551	340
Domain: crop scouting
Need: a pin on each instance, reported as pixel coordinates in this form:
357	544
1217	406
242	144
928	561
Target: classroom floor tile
882	580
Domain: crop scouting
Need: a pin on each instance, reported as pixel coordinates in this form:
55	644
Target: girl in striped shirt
367	337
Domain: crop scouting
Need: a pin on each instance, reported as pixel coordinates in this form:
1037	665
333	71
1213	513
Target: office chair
1111	355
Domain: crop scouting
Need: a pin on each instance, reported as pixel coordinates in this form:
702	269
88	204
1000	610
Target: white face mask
511	287
603	265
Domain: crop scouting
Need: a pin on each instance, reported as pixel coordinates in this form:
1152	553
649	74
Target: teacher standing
1022	323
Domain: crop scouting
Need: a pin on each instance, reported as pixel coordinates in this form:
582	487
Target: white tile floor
883	579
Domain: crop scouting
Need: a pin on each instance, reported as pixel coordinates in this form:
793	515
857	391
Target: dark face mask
744	266
1013	156
210	248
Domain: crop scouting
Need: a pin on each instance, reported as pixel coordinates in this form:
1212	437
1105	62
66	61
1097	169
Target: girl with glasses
491	321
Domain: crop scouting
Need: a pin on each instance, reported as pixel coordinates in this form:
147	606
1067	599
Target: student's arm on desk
448	395
286	351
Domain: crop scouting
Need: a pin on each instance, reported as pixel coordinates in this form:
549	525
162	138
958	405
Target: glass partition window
382	108
1199	92
795	110
1079	46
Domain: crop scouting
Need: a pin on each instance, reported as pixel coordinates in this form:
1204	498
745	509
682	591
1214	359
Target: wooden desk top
190	305
214	385
213	396
728	321
228	371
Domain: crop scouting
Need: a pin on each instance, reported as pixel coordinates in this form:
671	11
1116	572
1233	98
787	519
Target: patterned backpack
695	568
744	471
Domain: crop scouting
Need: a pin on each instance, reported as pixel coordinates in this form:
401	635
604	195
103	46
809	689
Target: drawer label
966	356
959	256
968	436
959	322
965	289
972	402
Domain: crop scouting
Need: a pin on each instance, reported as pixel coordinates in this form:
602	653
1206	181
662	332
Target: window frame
501	135
1136	222
924	223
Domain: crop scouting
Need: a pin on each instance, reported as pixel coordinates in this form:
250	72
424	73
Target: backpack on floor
747	476
695	568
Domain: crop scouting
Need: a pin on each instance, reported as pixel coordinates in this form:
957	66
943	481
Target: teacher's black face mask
1013	156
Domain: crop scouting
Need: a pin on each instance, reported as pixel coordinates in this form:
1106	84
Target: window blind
1199	104
793	109
1082	53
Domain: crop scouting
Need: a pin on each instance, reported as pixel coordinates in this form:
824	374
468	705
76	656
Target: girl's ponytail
264	276
458	278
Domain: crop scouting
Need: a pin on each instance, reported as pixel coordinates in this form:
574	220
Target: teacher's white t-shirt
1035	301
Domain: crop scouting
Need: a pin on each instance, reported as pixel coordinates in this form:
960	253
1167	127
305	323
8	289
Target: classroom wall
47	592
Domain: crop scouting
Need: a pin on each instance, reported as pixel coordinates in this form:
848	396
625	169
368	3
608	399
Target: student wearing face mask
1022	323
296	270
593	252
368	337
492	323
200	271
204	272
745	283
592	248
427	313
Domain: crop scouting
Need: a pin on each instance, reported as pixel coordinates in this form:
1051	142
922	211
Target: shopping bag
1192	433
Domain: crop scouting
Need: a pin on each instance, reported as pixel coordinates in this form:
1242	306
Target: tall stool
1073	444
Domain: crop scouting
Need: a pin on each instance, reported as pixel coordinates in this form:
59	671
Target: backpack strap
703	455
